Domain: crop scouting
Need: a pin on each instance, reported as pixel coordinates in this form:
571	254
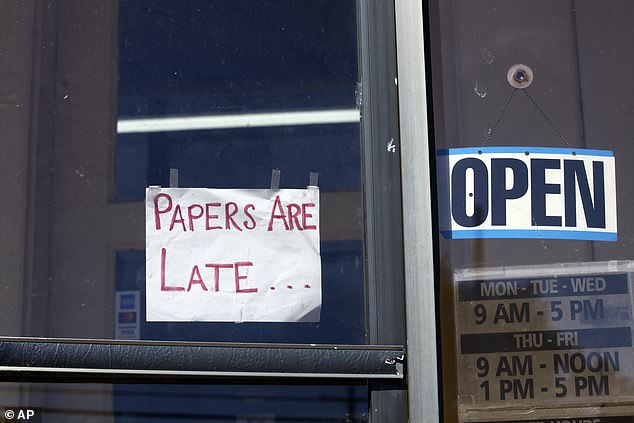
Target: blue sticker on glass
127	302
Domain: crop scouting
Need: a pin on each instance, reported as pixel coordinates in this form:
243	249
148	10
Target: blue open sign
527	192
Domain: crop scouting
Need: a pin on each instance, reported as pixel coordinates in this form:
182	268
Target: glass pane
498	282
285	77
169	403
209	57
209	158
342	302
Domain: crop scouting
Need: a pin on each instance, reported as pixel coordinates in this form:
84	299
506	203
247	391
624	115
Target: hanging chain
491	131
545	116
497	122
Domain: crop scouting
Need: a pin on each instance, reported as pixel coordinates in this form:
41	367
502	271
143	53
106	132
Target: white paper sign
233	255
527	192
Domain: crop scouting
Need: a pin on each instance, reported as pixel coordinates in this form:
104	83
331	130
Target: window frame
90	360
419	230
383	29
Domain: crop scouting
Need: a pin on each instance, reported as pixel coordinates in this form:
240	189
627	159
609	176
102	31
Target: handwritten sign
232	255
527	192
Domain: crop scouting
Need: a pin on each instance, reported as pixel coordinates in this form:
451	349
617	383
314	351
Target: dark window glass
576	100
342	305
75	234
209	57
231	158
78	75
194	403
217	59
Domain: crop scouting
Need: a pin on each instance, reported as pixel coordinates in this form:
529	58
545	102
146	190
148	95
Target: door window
107	98
513	76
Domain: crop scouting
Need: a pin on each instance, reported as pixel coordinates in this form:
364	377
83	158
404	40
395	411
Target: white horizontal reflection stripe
250	120
397	375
